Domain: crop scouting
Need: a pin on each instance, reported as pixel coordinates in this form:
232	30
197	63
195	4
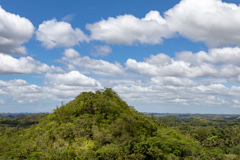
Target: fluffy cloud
217	63
22	92
59	34
71	53
101	51
14	31
15	82
173	81
213	22
91	65
69	85
179	95
127	29
58	87
73	78
11	65
227	55
188	79
161	58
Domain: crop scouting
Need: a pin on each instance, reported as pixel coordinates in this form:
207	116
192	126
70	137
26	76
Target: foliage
219	138
102	126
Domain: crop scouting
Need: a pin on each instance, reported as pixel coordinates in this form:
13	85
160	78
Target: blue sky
159	56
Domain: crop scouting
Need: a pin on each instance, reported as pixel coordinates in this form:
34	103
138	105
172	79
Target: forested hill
97	126
16	115
102	126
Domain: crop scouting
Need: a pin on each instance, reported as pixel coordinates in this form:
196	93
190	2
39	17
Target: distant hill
25	121
14	115
189	115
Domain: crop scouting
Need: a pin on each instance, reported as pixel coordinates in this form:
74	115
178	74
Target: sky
178	56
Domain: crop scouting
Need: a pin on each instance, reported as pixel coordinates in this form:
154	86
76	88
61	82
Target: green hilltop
100	126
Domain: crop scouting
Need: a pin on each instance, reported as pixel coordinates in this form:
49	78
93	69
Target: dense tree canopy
101	125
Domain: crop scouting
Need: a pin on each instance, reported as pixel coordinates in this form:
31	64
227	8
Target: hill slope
98	126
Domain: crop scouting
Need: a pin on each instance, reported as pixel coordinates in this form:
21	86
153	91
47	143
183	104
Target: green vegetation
102	126
220	138
185	116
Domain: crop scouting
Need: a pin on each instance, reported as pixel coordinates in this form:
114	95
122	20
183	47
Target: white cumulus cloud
178	95
128	29
71	53
14	31
213	22
73	78
11	65
173	81
216	63
59	34
22	92
101	67
68	85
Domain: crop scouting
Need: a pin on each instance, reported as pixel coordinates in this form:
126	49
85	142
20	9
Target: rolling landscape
120	80
101	125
